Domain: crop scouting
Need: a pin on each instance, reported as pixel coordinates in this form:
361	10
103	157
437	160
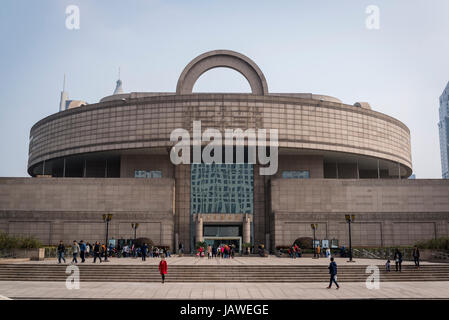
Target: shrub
10	242
304	242
437	244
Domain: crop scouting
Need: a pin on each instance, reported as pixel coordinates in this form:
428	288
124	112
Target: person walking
333	272
97	252
103	251
209	252
88	249
398	260
82	251
387	266
143	251
111	249
163	268
416	256
75	251
126	250
292	252
61	251
318	251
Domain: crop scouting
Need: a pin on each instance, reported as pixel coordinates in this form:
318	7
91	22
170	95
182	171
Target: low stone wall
32	254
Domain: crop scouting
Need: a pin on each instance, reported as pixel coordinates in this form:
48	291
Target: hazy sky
321	47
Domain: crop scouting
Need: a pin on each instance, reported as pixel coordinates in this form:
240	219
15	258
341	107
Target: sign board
334	243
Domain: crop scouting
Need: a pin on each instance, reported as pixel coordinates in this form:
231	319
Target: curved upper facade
318	124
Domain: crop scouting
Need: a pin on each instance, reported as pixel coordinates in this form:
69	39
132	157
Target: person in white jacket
75	251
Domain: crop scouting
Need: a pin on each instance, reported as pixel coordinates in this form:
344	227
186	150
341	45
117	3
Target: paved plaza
199	291
230	290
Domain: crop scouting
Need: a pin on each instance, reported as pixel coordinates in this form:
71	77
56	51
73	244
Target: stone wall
313	164
147	123
387	212
54	209
131	162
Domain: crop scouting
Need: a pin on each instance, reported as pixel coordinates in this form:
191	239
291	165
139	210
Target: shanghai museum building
113	157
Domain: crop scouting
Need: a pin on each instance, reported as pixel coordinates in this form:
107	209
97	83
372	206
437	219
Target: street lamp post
107	218
314	227
135	226
349	219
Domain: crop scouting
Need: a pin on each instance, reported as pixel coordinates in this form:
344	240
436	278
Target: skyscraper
443	127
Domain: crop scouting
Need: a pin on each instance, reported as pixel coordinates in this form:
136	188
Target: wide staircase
213	273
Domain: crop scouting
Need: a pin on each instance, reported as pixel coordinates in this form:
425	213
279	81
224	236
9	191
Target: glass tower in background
443	127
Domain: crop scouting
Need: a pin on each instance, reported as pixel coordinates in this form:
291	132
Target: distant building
443	127
66	104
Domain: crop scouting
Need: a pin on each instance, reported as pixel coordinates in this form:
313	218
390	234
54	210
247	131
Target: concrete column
199	229
267	242
246	229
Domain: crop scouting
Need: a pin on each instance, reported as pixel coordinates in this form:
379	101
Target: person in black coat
398	260
97	252
61	251
416	256
333	272
143	251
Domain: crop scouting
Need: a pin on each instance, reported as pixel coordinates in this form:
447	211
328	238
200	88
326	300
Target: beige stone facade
144	123
70	209
387	212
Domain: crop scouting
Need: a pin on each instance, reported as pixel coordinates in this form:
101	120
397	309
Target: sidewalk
102	290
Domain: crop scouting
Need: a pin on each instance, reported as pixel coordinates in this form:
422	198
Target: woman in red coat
163	268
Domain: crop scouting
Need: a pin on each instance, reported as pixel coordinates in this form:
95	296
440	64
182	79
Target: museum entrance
217	235
219	242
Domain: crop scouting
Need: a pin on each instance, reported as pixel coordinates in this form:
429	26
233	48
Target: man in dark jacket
143	251
82	251
416	256
61	250
333	272
97	252
398	260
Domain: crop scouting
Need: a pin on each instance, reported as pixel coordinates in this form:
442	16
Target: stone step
214	273
207	267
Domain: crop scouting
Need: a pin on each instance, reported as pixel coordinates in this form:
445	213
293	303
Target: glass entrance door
221	241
